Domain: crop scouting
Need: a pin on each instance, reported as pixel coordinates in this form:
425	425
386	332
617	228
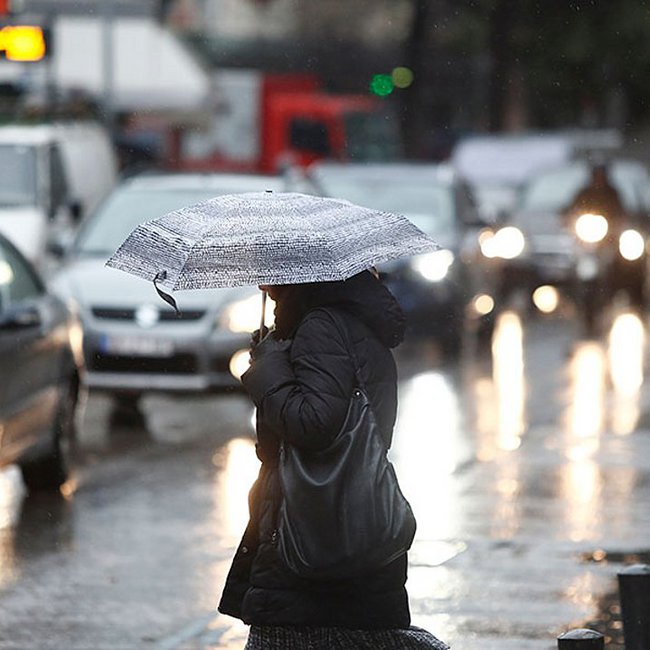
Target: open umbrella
265	238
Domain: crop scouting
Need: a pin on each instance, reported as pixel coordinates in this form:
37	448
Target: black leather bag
342	512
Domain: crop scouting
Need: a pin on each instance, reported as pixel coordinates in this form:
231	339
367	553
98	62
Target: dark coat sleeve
303	393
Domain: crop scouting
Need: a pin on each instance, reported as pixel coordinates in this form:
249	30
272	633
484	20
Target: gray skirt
332	638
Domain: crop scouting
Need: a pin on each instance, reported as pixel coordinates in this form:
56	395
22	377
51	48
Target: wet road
519	463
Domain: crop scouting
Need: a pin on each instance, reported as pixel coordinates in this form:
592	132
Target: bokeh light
402	77
382	85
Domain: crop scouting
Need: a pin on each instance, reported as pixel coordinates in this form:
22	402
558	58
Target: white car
134	343
51	175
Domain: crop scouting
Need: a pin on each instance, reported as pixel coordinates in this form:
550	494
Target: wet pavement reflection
518	460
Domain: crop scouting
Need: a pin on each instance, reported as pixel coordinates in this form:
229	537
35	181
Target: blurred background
517	134
443	70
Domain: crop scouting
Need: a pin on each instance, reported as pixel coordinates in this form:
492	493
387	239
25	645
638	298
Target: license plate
137	346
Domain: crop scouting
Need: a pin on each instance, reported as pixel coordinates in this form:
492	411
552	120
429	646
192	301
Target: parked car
549	253
51	175
134	343
41	364
441	292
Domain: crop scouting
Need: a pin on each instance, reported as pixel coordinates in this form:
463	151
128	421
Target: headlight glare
433	267
244	316
507	243
591	228
631	245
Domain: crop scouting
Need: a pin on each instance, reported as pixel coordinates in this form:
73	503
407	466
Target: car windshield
125	209
18	185
553	191
494	198
429	205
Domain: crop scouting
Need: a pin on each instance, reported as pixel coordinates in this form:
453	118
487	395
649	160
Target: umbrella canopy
265	238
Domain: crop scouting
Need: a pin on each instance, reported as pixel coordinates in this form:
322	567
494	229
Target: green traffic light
381	85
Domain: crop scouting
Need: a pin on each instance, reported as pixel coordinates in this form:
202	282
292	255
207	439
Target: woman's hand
267	345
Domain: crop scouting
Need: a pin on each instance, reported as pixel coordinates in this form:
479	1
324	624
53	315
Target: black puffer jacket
302	394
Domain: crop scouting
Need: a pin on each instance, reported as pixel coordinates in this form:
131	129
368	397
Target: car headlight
507	243
591	228
244	315
6	273
435	266
631	245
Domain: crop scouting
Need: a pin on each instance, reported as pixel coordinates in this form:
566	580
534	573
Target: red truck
262	122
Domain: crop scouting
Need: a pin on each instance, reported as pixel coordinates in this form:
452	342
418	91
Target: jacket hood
361	295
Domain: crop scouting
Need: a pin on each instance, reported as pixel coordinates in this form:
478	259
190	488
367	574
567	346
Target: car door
30	355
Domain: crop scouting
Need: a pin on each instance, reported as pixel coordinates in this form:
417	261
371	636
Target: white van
50	176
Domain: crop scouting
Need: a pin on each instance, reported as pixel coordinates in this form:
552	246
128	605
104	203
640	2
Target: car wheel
50	471
126	411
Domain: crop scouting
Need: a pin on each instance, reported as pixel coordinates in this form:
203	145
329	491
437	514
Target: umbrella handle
261	330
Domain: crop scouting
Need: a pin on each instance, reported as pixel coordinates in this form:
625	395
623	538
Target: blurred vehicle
444	292
134	343
266	121
41	362
498	165
51	175
574	253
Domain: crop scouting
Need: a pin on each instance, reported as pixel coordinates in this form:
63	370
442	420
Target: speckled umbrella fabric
265	238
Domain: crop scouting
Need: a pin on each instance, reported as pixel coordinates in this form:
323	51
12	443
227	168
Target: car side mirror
20	317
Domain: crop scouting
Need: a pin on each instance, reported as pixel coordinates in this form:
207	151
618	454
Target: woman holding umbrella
322	563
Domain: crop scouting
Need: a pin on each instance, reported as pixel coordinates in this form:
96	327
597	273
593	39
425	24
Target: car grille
128	314
178	364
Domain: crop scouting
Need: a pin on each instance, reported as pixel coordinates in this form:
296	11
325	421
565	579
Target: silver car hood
90	283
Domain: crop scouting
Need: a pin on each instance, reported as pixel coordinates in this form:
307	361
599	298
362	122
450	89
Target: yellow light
22	42
631	245
626	353
402	77
483	304
435	266
487	241
509	380
591	228
546	298
244	316
239	363
509	242
6	273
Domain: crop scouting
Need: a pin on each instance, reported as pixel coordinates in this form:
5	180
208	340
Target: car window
429	205
17	280
18	184
124	210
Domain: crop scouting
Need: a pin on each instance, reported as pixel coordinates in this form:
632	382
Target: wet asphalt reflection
518	460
